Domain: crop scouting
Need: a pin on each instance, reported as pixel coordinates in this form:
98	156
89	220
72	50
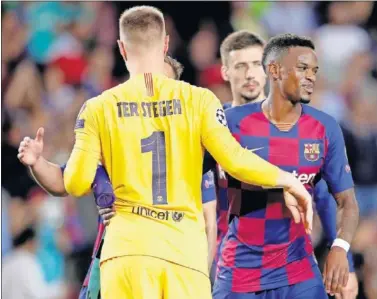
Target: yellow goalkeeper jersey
150	133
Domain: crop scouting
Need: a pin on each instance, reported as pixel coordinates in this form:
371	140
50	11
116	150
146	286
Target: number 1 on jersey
157	145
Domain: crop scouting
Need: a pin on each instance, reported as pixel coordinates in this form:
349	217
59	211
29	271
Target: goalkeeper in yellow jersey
150	134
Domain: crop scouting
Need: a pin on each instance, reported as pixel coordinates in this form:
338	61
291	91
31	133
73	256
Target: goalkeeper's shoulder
204	98
107	97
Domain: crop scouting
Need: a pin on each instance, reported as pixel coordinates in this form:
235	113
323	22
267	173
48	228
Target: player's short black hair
281	43
237	41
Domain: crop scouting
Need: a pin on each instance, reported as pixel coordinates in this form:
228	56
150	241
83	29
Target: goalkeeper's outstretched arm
82	164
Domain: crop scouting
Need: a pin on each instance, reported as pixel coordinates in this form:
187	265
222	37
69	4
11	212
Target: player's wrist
284	180
340	243
37	163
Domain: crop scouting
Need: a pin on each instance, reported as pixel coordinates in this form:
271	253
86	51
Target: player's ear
273	70
224	73
122	49
166	46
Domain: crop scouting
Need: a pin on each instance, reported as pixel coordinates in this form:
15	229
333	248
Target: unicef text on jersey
160	215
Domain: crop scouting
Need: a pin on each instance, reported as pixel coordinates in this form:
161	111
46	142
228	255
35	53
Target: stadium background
56	55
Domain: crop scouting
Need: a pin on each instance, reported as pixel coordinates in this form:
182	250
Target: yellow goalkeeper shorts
144	277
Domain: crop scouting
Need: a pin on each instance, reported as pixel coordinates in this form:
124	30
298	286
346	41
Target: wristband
341	243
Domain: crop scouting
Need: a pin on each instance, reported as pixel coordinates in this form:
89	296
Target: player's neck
146	65
239	100
280	110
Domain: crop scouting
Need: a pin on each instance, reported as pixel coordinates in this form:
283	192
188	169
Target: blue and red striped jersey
221	183
263	248
222	207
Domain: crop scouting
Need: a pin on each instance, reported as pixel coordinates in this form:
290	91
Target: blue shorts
310	289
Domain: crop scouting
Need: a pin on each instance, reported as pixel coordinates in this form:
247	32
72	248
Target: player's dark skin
292	78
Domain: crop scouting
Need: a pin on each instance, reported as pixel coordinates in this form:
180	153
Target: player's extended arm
347	214
49	176
337	174
209	212
241	163
327	209
85	157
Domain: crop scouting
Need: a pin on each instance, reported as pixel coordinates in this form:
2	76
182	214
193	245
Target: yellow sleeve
224	148
85	156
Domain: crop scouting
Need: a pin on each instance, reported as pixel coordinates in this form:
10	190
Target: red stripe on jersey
149	84
284	151
255	125
247	279
275	255
310	128
248	236
228	255
298	271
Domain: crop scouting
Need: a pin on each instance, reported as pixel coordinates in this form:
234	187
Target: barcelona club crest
177	216
311	152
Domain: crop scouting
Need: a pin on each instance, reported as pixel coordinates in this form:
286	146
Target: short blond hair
142	25
176	66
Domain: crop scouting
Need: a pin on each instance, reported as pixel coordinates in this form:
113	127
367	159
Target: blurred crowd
56	55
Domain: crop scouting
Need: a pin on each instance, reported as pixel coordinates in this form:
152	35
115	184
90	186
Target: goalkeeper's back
151	134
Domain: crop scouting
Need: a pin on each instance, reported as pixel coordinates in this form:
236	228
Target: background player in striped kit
50	178
241	54
329	220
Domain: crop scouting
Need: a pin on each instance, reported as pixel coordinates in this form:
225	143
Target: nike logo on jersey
255	149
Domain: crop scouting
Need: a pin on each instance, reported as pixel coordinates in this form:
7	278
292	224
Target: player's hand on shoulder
297	199
351	290
106	214
30	150
336	270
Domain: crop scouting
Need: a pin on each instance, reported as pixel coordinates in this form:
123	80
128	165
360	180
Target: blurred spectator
58	95
338	41
293	17
21	83
211	78
206	38
6	238
45	21
360	134
22	275
49	219
98	75
246	16
105	27
68	43
16	180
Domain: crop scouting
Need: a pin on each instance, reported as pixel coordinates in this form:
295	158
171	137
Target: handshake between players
297	198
